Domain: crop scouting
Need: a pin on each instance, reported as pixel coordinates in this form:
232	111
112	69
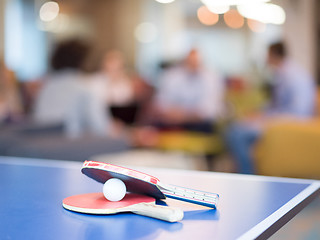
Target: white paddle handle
156	211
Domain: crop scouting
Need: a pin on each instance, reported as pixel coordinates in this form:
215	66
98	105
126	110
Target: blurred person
123	93
67	96
293	97
120	88
11	109
189	97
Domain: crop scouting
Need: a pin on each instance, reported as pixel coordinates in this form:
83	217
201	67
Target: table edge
279	218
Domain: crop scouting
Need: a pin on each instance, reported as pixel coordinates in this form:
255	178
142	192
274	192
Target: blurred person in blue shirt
294	89
293	97
190	96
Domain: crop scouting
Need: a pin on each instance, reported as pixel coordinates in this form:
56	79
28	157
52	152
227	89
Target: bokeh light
256	26
207	17
233	19
165	1
263	12
210	3
219	9
146	32
49	11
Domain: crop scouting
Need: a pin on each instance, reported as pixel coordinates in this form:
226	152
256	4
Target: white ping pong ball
114	190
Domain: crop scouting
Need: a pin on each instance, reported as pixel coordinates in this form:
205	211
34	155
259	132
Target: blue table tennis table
250	207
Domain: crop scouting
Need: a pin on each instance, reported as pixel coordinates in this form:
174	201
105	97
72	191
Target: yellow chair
290	149
190	142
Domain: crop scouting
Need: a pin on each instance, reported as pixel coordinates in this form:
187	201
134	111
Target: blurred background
151	32
139	40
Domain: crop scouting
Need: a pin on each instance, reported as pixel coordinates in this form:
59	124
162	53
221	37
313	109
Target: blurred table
250	206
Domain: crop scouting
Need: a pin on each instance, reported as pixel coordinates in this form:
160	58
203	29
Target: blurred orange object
207	17
233	19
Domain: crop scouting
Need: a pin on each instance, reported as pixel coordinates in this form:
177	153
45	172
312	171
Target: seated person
67	97
124	94
293	96
11	109
189	98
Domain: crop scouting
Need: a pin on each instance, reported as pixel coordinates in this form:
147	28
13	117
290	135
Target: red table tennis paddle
96	203
141	183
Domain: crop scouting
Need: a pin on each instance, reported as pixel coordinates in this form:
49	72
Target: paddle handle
160	212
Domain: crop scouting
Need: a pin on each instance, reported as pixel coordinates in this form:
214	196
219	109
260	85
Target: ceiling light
219	9
263	12
165	1
207	17
49	11
210	3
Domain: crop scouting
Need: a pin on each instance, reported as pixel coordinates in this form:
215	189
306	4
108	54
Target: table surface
249	207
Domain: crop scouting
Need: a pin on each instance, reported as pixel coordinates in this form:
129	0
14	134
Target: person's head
277	54
69	54
193	60
113	61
